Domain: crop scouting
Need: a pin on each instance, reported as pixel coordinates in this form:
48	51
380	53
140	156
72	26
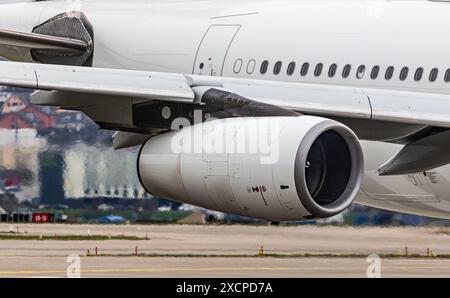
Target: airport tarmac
35	258
20	267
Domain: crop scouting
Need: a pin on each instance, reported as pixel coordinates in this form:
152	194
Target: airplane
278	110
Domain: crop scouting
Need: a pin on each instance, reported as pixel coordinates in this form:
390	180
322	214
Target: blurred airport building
53	155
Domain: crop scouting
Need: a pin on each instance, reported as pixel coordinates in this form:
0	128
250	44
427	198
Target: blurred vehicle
111	219
210	215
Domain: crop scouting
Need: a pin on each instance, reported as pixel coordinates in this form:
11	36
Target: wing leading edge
95	81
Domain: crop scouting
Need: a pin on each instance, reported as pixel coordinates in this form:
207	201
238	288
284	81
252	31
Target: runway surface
20	258
220	267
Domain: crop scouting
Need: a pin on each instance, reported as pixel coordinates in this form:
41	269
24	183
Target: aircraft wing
96	81
420	108
132	102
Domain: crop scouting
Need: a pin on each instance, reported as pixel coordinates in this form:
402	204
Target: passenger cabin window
447	76
404	73
375	72
237	66
291	69
360	72
318	70
418	75
433	75
264	67
332	70
346	71
389	73
304	70
277	68
251	66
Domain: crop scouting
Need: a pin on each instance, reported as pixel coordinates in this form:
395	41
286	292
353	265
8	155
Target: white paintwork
184	165
421	193
213	49
126	83
18	17
165	36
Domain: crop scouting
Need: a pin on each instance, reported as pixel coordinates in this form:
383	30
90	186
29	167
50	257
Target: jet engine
273	168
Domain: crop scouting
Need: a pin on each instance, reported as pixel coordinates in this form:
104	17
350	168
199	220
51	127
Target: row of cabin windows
332	70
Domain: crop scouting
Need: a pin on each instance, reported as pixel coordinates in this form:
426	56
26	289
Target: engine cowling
290	168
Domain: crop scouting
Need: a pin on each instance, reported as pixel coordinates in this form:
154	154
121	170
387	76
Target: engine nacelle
273	168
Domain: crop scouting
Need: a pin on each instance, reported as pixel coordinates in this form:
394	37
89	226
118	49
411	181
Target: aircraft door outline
213	49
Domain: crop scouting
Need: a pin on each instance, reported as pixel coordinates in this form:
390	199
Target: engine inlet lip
356	171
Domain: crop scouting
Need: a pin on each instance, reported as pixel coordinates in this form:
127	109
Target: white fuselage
395	45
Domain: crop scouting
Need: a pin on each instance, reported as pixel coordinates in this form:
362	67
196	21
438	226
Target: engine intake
328	167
